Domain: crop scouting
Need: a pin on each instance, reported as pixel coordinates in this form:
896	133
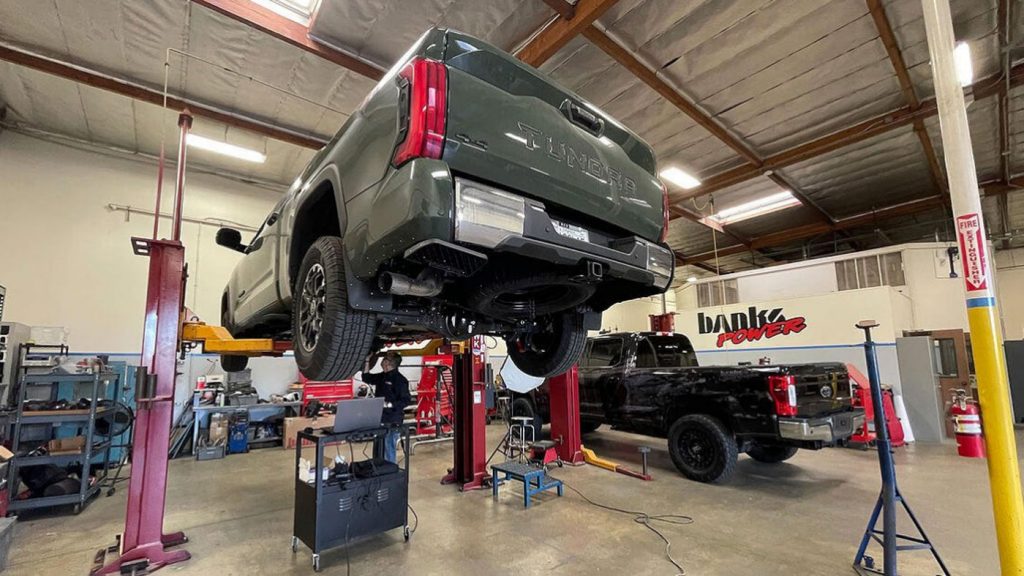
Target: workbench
201	409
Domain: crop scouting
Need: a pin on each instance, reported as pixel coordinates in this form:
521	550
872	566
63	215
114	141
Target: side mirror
230	238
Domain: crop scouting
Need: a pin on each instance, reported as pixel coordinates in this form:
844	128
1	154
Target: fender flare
308	194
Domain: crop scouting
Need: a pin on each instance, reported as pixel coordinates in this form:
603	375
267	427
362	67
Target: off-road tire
346	336
702	448
771	454
559	350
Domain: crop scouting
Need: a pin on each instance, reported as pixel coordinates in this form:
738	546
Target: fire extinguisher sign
972	252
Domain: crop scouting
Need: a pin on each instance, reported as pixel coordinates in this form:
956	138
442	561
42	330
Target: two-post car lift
143	546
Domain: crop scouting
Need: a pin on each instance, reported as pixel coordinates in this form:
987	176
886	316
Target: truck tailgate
509	125
821	388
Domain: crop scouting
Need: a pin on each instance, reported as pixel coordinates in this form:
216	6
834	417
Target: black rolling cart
357	499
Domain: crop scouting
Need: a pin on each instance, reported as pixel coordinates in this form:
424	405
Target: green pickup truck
468	195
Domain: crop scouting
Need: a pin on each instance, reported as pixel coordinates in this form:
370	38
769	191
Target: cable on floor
645	519
415	517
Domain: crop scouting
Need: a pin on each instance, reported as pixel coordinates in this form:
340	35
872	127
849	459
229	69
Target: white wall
830	334
938	300
633	315
1010	291
779	284
66	260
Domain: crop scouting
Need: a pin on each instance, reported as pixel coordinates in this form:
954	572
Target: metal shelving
85	421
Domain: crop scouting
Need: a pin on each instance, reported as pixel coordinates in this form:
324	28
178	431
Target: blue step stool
535	478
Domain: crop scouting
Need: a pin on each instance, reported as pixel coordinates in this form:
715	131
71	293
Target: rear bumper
516	225
831	428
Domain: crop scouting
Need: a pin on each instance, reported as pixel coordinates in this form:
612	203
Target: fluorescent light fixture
964	68
680	178
226	149
691	279
758	207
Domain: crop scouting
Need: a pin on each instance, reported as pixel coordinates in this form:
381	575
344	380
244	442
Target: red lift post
564	397
143	545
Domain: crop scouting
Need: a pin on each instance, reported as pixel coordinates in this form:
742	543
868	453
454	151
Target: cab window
645	357
672	351
605	352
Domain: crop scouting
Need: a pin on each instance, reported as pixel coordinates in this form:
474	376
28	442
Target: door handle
582	117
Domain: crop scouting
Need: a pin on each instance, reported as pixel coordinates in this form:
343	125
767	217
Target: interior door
949	348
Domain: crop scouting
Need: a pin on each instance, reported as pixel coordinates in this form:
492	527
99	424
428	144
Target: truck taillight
783	392
425	87
666	215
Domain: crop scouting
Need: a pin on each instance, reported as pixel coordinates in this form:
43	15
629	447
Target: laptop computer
358	414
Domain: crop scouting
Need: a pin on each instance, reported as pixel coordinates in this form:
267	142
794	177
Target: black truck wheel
331	339
233	363
770	454
702	448
553	351
588	426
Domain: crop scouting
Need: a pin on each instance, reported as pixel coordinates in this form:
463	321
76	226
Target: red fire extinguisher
970	441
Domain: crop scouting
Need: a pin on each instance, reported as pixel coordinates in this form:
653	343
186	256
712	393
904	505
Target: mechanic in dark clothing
394	389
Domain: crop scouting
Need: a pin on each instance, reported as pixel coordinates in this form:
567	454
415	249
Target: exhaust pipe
426	285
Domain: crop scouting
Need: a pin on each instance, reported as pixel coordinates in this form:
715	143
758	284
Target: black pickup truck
650	383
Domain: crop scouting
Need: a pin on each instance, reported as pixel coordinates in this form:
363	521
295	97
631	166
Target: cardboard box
73	445
218	433
292	427
5	454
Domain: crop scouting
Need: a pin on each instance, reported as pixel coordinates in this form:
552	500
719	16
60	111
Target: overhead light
758	207
226	149
680	178
964	67
691	279
294	10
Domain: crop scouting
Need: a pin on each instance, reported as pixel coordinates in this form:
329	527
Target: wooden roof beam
559	31
892	48
812	230
865	130
648	76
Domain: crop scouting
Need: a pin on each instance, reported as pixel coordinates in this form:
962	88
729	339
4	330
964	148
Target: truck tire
523	407
331	340
702	448
233	363
771	454
552	352
588	426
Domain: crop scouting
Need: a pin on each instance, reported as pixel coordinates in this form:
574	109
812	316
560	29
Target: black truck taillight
424	85
783	391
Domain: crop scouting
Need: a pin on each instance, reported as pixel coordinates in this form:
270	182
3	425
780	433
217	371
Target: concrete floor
802	517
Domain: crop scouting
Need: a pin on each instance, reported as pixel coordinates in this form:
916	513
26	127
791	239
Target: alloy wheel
311	307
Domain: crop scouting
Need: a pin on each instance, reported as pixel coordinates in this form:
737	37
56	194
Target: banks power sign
753	325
